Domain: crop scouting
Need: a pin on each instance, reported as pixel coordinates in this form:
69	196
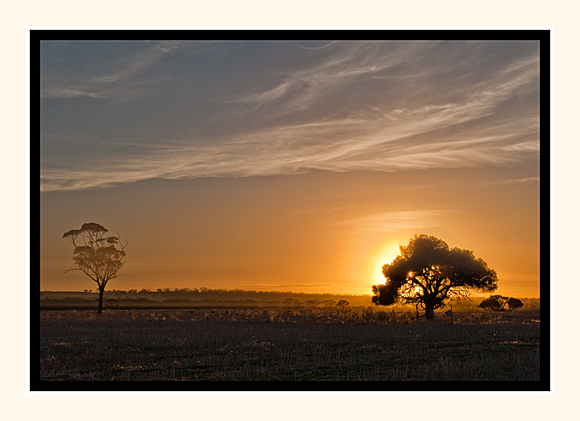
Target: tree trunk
428	312
101	293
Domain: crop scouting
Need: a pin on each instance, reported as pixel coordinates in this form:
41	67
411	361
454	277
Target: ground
290	345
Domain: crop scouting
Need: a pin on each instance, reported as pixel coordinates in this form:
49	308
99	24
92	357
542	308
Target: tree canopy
499	303
428	273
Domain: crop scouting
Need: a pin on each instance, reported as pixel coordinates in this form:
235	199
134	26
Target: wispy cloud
349	63
523	180
113	79
310	47
349	106
512	181
336	145
395	221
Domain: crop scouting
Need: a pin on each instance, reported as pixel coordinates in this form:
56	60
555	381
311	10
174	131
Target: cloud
114	78
262	98
333	146
322	47
512	181
395	221
523	180
351	106
299	88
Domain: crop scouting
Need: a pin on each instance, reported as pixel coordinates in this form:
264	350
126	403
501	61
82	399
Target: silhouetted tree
342	304
428	273
499	303
97	256
291	301
494	302
514	303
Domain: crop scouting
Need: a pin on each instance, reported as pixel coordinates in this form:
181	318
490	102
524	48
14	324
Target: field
287	344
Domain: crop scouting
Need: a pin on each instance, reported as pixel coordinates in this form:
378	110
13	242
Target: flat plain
290	345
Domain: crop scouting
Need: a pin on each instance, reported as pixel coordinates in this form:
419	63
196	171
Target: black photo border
542	35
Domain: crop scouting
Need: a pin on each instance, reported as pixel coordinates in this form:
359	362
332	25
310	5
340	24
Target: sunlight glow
323	162
386	254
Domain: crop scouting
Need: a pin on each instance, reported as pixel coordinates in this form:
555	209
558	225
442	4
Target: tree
97	256
514	303
291	301
428	273
498	303
342	304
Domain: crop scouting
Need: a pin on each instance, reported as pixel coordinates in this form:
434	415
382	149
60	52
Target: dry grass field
291	345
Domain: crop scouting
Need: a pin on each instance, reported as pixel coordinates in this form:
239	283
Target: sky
292	165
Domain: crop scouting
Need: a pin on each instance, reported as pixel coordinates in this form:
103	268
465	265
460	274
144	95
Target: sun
384	255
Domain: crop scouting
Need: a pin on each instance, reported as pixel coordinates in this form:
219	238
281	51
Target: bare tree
97	256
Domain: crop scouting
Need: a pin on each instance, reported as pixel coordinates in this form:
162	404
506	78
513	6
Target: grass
292	345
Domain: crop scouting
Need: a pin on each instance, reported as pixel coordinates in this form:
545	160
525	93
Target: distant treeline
200	297
205	297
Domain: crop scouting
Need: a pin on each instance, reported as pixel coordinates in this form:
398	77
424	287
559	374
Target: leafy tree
97	256
514	303
499	303
342	304
428	273
494	302
328	303
291	301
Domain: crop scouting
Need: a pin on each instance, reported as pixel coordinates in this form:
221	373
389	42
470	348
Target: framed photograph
292	210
